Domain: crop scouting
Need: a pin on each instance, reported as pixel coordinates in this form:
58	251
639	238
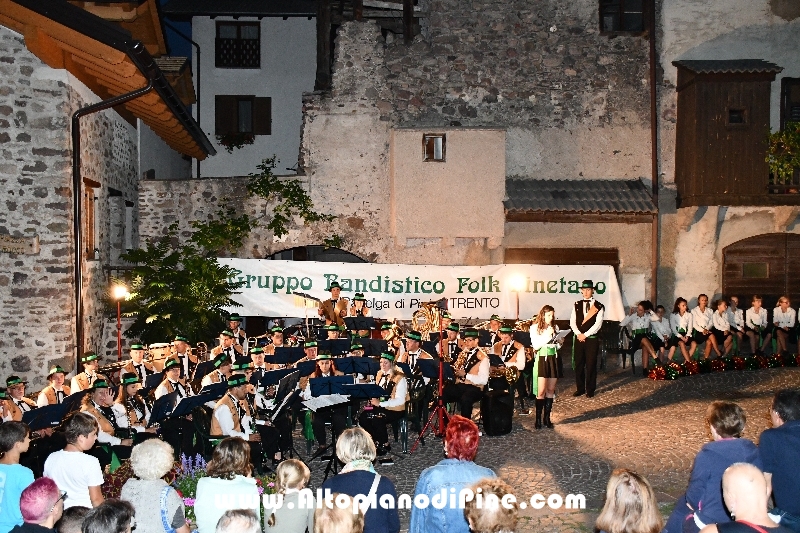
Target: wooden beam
579	218
44	47
324	65
736	200
358	10
408	21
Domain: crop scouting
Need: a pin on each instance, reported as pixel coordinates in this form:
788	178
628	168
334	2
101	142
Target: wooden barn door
768	265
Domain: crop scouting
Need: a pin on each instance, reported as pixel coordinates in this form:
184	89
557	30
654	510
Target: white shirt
754	319
225	420
538	340
102	436
161	390
784	320
681	322
74	472
721	321
519	357
662	328
206	381
401	390
41	400
736	318
482	378
639	322
598	323
702	319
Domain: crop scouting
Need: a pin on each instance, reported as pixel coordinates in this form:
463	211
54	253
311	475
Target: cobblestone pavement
652	427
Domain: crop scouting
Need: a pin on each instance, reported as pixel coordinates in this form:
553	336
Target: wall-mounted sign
19	245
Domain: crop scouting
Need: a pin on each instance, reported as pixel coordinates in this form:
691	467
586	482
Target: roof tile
578	196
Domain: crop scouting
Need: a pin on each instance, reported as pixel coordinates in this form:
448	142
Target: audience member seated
239	521
72	519
111	516
456	471
41	505
745	491
779	452
702	502
290	478
14	440
357	451
339	517
228	481
158	505
72	469
630	506
493	515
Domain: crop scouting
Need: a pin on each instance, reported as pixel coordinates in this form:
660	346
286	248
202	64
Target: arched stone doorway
767	264
316	253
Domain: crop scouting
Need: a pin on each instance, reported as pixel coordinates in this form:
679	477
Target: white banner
396	291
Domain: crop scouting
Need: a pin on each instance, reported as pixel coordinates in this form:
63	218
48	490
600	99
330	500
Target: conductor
585	322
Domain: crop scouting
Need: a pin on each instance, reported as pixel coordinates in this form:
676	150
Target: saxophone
510	372
461	360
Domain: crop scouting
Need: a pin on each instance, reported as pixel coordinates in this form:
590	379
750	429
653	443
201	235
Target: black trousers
336	415
179	433
374	422
586	364
465	395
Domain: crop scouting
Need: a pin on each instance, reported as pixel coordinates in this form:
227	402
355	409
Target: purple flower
261	490
270	484
189	502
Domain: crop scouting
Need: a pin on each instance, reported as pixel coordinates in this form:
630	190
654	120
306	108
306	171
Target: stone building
55	59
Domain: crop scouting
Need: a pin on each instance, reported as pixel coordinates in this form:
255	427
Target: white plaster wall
288	68
155	154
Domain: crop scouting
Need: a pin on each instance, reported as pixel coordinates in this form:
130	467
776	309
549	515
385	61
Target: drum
159	352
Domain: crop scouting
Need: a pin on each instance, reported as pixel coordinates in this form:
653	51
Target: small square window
622	16
737	116
755	270
433	147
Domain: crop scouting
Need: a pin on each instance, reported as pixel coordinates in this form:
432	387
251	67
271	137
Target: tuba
426	319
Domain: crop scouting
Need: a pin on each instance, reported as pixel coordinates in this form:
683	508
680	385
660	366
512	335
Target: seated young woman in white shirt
721	328
660	333
682	327
784	319
756	326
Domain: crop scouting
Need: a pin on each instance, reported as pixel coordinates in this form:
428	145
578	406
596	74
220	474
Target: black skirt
550	366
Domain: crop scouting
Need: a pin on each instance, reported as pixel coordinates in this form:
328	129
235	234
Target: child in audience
15	437
290	478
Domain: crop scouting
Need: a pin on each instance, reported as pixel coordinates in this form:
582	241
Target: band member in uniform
661	331
276	334
227	346
472	374
335	414
512	354
222	370
239	335
137	365
98	403
56	391
333	332
756	326
494	329
413	350
446	319
585	321
356	349
310	349
359	306
375	418
334	309
258	365
453	342
183	354
131	410
86	379
232	418
17	402
547	366
178	432
393	336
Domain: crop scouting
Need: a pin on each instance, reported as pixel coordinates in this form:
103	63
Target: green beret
129	378
235	318
227	333
221	360
310	344
386	325
496	318
359	297
276	329
3	395
446	314
100	384
453	326
332	327
171	363
88	356
506	329
387	355
237	380
240	366
256	350
587	284
137	346
181	338
334	285
14	380
56	370
471	333
356	346
414	335
324	356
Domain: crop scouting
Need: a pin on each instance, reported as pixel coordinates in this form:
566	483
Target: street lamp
119	292
517	285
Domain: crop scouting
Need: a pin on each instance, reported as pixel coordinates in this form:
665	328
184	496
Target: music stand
374	347
430	347
357	323
286	395
406	368
306	368
202	370
187	404
163	407
325	387
365	366
484	338
271	377
523	337
73	401
215	388
439	413
335	347
45	417
286	355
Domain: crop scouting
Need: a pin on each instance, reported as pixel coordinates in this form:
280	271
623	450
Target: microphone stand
439	415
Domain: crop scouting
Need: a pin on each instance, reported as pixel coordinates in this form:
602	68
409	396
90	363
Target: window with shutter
622	16
790	101
243	114
262	116
238	45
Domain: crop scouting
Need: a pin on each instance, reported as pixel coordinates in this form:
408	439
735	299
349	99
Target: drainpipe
77	202
654	149
197	47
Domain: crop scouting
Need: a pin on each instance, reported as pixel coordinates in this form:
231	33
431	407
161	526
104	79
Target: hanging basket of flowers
233	141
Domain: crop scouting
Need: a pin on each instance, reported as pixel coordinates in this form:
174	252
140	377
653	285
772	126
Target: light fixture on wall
516	284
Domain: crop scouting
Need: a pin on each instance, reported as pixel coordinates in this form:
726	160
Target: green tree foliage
178	287
783	152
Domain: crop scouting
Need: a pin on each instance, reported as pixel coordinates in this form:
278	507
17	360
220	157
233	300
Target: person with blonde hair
784	319
630	506
291	477
238	521
702	503
156	503
228	484
339	518
493	515
356	450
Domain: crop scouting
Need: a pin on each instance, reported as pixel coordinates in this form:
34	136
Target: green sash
544	351
639	331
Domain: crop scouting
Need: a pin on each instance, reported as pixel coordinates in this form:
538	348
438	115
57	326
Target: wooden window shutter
225	114
262	116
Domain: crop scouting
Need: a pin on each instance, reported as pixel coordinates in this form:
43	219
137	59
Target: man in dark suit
779	451
334	309
585	322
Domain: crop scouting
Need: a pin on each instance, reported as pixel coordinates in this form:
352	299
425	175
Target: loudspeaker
497	408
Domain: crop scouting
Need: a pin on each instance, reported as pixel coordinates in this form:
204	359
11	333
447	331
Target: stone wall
36	291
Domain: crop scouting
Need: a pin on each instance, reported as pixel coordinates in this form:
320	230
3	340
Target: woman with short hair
228	485
356	450
457	471
159	505
702	503
631	505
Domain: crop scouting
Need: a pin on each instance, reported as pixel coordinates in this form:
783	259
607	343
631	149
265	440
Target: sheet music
560	336
327	400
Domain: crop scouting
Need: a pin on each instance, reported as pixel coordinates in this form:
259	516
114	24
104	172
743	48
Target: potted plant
783	156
